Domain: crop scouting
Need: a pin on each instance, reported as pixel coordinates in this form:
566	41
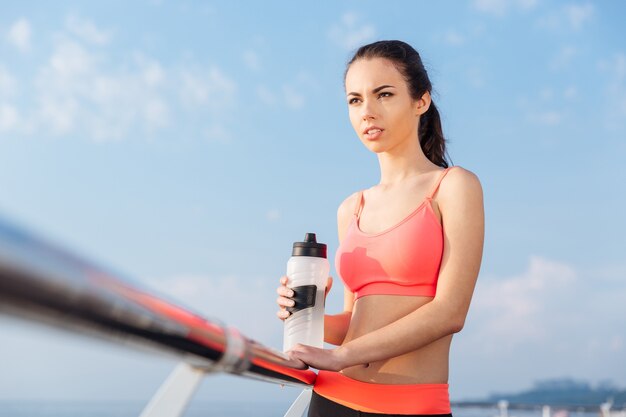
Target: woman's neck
396	167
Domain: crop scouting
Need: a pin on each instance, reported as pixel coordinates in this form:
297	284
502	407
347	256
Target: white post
605	408
301	403
503	405
173	396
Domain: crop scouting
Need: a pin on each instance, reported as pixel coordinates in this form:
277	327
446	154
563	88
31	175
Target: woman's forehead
371	73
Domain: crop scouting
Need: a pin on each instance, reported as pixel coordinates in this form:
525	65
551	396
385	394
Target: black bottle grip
304	297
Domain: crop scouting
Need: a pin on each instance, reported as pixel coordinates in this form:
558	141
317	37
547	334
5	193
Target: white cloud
578	14
570	92
500	8
266	95
217	133
510	309
563	58
475	76
527	4
292	94
58	114
156	113
63	84
86	30
252	60
293	99
80	90
614	72
19	35
77	95
547	117
211	88
494	7
70	59
8	84
152	72
567	18
548	107
547	93
8	117
273	215
351	33
453	38
548	310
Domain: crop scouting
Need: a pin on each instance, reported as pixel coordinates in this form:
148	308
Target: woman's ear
422	104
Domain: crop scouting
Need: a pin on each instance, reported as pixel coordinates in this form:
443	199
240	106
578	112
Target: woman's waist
416	367
373	312
427	364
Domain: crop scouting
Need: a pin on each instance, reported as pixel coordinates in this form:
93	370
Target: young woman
409	254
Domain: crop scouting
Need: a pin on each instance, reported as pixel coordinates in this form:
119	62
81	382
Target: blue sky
188	144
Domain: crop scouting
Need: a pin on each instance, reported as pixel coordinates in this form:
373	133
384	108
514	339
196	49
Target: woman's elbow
456	324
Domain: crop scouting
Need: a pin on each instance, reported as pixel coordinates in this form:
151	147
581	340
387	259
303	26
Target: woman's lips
372	133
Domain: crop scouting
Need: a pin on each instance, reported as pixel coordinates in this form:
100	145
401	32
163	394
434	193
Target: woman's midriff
426	365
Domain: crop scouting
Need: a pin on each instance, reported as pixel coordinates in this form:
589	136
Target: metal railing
40	281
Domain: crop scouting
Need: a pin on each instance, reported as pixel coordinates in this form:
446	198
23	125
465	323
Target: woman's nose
368	111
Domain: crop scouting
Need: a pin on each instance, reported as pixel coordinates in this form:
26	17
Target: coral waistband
383	398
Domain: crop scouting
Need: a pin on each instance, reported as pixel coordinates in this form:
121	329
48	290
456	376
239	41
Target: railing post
174	395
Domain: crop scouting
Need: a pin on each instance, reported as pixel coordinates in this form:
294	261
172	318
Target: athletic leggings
323	407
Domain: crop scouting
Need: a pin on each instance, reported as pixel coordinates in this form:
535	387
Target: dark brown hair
408	61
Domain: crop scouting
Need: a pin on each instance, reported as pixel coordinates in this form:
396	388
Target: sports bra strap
359	205
436	187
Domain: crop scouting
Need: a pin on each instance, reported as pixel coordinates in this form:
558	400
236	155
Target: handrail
40	281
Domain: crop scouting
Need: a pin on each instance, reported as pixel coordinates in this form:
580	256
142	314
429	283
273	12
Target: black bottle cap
309	247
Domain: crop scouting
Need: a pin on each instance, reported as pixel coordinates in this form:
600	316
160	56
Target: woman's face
382	111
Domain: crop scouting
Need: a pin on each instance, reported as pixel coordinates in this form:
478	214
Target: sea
218	409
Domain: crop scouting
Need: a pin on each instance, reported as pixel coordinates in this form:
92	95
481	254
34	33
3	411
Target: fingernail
290	293
292	303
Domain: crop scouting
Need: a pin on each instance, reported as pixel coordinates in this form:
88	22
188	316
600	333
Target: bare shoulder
460	195
345	212
460	183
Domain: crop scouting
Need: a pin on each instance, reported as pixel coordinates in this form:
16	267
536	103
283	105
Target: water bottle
307	273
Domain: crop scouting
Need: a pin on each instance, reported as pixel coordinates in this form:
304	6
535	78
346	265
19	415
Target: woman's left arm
460	202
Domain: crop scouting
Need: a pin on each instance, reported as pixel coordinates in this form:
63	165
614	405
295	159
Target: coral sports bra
401	260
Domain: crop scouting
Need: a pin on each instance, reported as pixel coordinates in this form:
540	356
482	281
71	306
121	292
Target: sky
187	145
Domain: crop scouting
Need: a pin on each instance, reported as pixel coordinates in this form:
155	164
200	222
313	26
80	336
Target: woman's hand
326	359
285	293
284	300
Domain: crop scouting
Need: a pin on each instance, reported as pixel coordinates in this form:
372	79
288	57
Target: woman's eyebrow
374	91
377	89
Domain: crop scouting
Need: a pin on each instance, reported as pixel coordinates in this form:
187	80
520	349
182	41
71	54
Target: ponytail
431	136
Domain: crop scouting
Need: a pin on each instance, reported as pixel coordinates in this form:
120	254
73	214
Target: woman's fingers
285	302
283	314
329	285
284	291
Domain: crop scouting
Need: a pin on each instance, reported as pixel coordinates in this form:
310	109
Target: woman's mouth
372	133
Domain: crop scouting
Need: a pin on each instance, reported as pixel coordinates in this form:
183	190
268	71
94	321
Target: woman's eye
385	94
353	100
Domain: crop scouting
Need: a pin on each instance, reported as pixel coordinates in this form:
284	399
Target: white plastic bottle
307	272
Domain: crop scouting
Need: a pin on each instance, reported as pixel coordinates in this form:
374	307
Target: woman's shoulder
459	173
459	182
345	212
348	205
